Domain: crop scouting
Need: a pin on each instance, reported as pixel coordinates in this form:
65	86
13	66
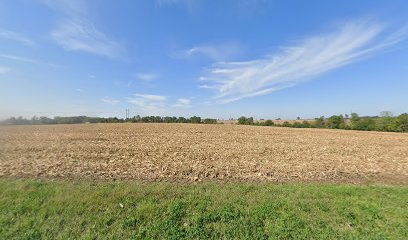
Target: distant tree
269	123
386	122
336	122
403	122
355	117
168	119
365	124
286	124
246	121
319	122
182	120
386	114
306	124
136	118
210	121
195	119
296	125
242	120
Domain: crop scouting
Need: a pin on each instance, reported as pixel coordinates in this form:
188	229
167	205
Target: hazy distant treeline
85	119
386	122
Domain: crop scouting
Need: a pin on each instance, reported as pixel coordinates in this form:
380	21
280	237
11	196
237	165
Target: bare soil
192	152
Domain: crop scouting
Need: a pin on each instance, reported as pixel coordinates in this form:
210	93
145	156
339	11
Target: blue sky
220	59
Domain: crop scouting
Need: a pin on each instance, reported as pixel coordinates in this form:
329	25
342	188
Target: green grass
40	209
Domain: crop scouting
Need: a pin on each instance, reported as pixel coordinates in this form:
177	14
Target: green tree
242	120
385	122
336	122
210	121
319	122
403	122
195	119
269	123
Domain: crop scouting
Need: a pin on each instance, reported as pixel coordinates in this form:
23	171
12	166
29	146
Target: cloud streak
106	99
28	60
217	52
311	57
10	35
183	103
81	35
147	76
148	103
77	33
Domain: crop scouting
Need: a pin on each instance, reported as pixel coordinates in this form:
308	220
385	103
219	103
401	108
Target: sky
210	58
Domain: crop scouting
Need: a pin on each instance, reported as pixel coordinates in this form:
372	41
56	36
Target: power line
127	113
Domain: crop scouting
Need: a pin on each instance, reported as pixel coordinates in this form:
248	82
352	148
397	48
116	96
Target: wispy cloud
218	52
81	35
191	5
236	6
4	69
28	60
148	103
76	32
147	76
183	103
109	100
151	97
18	37
300	62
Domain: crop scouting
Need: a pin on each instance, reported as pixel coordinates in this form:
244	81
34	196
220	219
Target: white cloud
206	86
151	97
220	52
183	103
110	101
309	58
82	90
18	58
4	69
149	104
28	60
240	7
72	8
92	76
146	76
77	33
80	35
16	37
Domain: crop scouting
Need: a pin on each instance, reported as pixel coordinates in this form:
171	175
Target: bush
336	122
403	122
246	121
269	123
195	119
319	122
210	121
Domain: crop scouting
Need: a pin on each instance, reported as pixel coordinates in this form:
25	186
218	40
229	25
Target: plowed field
192	152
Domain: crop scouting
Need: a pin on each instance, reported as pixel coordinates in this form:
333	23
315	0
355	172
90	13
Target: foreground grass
34	209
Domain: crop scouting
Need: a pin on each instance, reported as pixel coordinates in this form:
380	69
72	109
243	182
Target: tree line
386	122
84	119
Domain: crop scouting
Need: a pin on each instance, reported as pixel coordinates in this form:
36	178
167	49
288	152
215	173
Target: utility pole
127	113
